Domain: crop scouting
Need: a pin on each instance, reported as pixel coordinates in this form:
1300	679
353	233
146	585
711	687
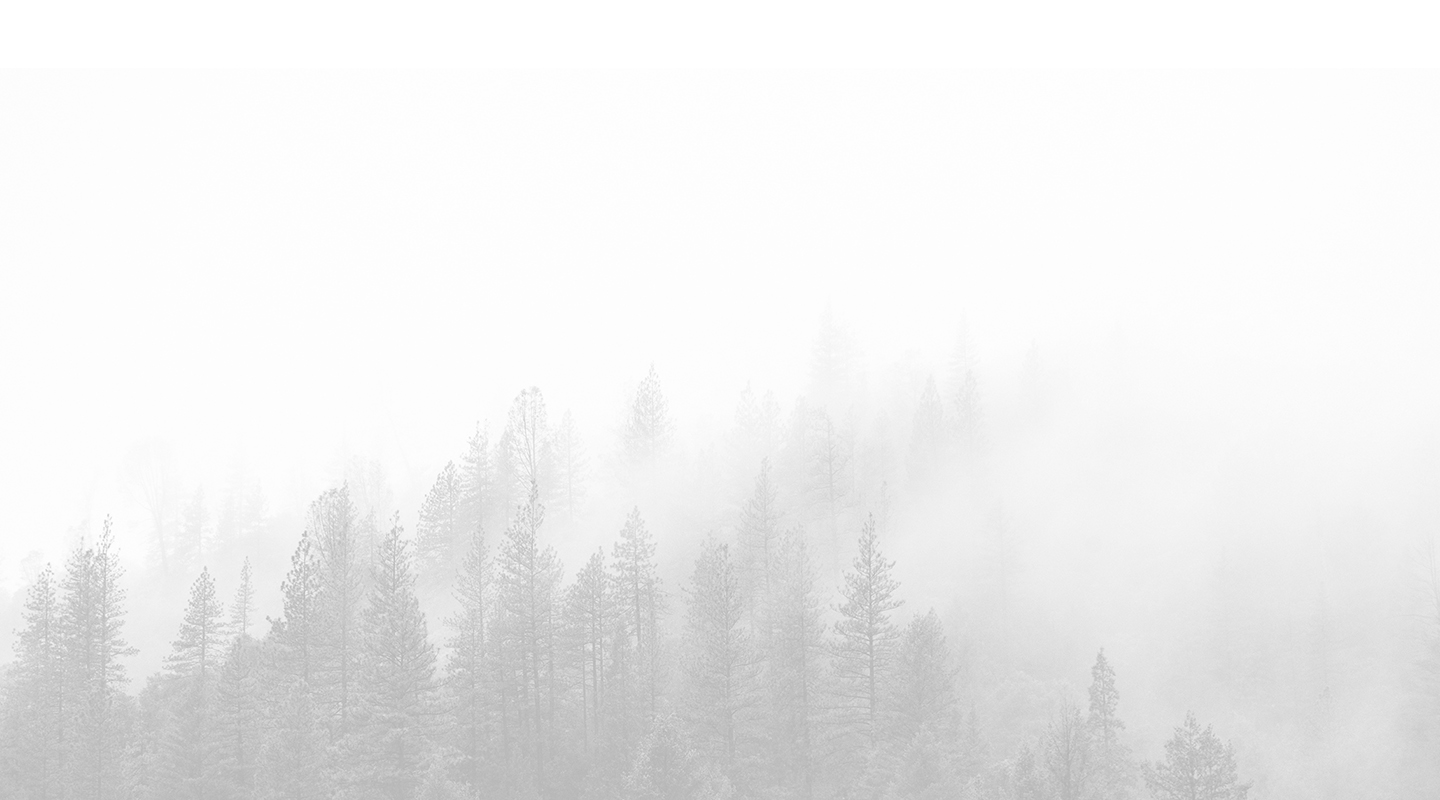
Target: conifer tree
34	701
1197	766
192	542
239	715
721	665
190	745
648	427
93	619
341	591
866	638
1066	754
570	464
924	679
397	682
529	579
477	482
590	614
795	668
638	605
525	456
439	531
759	535
468	685
1113	771
829	467
242	610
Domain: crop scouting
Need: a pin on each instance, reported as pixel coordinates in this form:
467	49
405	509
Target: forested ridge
752	677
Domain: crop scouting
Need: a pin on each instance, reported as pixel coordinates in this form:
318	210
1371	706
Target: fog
1195	313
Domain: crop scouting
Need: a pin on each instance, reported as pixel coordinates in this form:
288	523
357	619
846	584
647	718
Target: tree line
748	680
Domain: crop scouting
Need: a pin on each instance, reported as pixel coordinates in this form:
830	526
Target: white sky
280	265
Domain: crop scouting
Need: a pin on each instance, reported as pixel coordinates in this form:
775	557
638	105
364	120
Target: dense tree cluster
760	684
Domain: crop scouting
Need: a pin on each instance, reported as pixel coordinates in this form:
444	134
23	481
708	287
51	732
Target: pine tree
530	578
590	616
965	392
639	604
1197	766
192	543
866	638
795	668
242	611
648	428
439	531
477	482
239	715
93	619
190	743
525	457
1113	771
294	637
924	680
829	467
721	664
1066	754
341	592
570	462
34	701
667	766
397	683
468	683
759	535
198	650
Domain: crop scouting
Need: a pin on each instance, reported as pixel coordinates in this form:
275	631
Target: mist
1140	362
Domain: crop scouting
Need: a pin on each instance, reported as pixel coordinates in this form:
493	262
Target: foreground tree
397	708
190	747
1112	773
1197	766
35	708
866	638
721	665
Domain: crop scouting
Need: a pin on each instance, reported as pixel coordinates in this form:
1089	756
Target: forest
464	659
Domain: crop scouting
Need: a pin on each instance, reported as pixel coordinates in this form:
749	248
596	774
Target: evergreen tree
639	604
1066	753
1197	766
648	428
759	535
192	544
795	669
591	613
529	582
570	462
34	700
525	457
397	688
242	611
477	482
924	679
1113	773
93	619
866	638
965	393
190	744
668	767
721	665
341	592
468	685
829	467
439	531
239	715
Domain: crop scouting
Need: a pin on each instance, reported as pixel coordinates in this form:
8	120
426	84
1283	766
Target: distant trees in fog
751	679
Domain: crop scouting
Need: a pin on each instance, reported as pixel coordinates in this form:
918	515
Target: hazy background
1202	309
